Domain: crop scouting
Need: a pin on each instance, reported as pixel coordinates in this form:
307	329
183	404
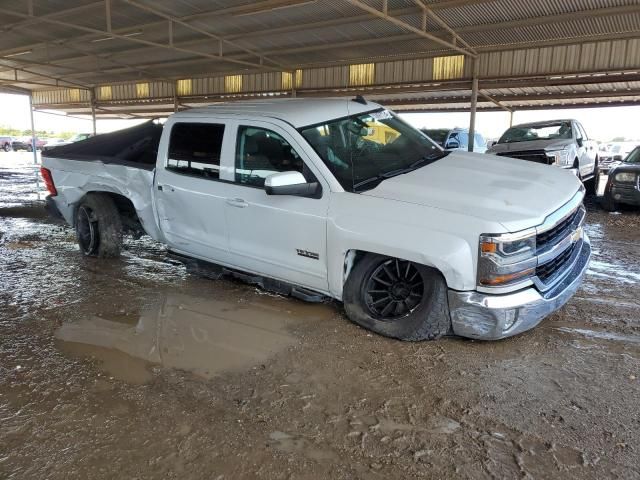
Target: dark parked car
623	185
26	143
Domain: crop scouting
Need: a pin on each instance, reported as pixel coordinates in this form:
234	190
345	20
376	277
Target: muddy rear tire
608	203
397	299
98	226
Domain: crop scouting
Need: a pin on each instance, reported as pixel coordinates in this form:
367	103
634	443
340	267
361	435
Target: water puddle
601	335
203	336
612	271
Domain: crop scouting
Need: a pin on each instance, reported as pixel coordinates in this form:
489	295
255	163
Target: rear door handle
237	202
166	188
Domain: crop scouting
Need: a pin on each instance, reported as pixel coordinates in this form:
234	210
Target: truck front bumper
492	317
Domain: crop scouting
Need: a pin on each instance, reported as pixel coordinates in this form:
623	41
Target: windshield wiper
426	160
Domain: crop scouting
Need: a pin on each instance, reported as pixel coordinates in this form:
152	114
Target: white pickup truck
340	198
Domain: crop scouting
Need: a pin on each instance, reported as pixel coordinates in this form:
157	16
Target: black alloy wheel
87	228
394	289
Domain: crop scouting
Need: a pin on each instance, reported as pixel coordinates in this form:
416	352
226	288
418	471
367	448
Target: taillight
48	181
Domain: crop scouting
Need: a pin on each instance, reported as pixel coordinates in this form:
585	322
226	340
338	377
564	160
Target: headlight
561	157
626	177
506	259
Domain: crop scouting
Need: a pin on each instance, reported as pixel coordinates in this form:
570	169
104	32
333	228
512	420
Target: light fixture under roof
104	39
264	9
16	54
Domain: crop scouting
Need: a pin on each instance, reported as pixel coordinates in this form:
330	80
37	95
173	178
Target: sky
602	124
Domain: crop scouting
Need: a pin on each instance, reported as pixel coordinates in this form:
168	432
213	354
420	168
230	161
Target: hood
530	145
517	195
625	167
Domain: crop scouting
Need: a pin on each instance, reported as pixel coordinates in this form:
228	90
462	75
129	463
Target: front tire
397	298
98	226
6	147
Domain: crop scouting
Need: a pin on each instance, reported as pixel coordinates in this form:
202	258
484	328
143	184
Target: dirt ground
133	368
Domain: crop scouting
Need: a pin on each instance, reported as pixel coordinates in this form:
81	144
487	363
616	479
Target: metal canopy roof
75	54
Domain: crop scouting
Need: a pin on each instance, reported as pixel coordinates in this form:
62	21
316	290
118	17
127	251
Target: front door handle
237	202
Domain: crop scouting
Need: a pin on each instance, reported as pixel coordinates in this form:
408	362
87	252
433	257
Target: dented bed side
75	178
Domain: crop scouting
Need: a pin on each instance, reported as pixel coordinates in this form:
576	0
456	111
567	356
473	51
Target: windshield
548	131
363	150
634	156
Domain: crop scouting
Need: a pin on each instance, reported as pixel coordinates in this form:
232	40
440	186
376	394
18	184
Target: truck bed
134	147
121	163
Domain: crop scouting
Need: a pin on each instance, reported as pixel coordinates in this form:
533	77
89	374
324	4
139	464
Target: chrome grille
557	248
547	271
561	230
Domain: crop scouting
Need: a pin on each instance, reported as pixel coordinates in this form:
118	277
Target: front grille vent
537	156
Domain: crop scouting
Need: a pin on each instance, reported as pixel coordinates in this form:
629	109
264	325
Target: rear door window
194	149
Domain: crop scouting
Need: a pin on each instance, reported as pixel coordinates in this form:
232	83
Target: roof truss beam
218	57
427	12
221	40
384	14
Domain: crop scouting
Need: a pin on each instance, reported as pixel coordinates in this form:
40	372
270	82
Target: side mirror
579	142
291	183
452	143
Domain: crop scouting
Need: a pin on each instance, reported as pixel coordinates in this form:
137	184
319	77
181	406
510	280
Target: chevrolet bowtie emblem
577	235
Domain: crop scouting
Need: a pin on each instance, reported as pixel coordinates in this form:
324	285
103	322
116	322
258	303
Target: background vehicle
58	142
623	184
562	143
76	138
5	143
336	198
52	143
456	139
615	153
26	143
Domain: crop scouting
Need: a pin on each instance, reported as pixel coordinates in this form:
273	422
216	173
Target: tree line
14	132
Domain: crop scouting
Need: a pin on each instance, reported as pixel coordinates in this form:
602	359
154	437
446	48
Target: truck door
279	236
190	208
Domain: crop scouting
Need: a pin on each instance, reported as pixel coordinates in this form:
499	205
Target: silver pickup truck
340	198
561	143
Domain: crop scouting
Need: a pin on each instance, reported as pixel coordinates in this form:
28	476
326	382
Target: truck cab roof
297	112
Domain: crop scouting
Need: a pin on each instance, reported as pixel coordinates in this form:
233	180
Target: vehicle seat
254	156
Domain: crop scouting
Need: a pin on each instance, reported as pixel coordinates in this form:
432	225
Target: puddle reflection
619	273
202	336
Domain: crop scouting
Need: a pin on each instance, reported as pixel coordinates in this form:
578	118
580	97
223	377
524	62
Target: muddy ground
134	368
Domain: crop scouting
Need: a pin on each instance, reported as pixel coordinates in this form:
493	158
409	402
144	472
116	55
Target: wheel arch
131	222
354	255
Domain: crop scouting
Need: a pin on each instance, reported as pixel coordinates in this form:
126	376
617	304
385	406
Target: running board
214	271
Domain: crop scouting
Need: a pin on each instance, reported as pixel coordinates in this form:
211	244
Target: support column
93	110
294	82
175	97
474	105
511	119
33	142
